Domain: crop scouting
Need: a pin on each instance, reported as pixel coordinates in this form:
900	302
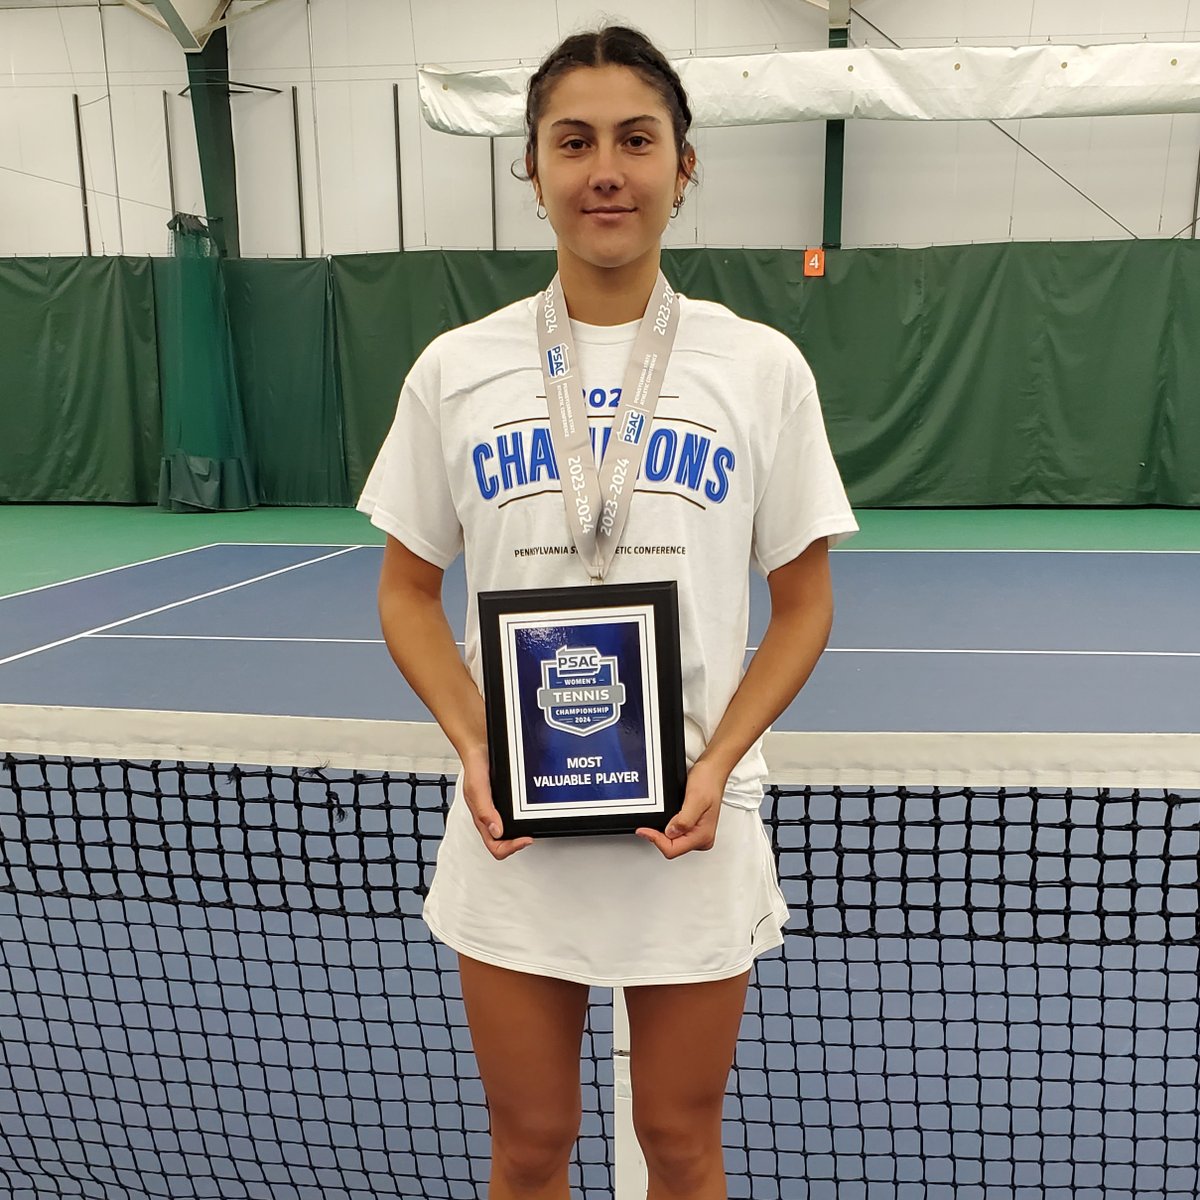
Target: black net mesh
215	982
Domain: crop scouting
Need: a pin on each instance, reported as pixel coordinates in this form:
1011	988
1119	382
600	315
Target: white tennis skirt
610	910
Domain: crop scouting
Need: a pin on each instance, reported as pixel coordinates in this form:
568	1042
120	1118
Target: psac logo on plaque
582	688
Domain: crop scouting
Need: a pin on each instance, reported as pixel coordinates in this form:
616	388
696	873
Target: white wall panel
50	56
189	187
412	128
1058	18
358	166
48	46
670	24
105	214
925	22
143	62
40	208
263	142
270	48
363	35
1120	162
360	49
120	78
142	157
272	40
1018	22
916	184
761	185
722	27
451	32
456	190
1179	185
905	184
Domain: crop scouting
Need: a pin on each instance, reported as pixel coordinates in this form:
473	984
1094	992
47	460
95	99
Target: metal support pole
492	164
210	87
630	1177
299	171
87	224
1196	201
399	178
835	154
170	156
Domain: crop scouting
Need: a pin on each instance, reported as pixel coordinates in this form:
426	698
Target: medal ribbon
597	501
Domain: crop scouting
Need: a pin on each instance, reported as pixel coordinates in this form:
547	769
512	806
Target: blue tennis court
956	641
221	807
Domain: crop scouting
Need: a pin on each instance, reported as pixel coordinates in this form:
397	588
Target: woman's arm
801	617
422	645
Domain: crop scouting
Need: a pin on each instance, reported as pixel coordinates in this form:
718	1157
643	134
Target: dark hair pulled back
614	45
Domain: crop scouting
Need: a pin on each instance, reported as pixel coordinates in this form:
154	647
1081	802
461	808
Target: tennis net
215	982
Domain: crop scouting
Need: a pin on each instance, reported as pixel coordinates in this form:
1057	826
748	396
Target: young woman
737	473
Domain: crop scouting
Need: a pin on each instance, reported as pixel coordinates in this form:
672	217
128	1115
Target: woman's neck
607	295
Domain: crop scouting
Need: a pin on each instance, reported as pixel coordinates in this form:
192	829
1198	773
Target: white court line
1051	653
166	607
309	545
230	637
108	571
997	550
143	562
837	550
333	641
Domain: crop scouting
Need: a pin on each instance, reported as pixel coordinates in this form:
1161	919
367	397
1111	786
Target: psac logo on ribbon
581	692
631	429
556	360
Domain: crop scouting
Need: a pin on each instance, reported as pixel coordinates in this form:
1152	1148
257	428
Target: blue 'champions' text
526	456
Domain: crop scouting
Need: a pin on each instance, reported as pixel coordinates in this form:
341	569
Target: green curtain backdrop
281	318
391	306
79	402
1010	374
205	458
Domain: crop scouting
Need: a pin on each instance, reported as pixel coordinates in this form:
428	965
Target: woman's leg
682	1041
526	1031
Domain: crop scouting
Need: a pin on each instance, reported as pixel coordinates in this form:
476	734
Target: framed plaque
584	700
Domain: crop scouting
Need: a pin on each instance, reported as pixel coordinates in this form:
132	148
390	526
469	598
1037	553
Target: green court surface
42	544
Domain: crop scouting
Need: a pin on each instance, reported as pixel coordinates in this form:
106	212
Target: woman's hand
694	827
475	786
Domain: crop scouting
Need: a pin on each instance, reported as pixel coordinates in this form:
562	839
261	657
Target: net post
629	1169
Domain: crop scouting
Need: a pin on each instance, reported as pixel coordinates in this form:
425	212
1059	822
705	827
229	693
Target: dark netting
214	982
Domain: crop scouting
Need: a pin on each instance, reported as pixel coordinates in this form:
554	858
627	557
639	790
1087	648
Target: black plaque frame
542	606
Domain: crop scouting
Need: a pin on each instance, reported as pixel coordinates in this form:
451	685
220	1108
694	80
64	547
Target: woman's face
607	169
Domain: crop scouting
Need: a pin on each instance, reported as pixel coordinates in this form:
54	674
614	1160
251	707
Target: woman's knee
679	1145
533	1148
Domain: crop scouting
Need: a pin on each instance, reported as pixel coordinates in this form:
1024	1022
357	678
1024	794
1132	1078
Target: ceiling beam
189	21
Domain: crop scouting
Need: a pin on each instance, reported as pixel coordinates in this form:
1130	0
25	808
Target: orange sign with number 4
814	262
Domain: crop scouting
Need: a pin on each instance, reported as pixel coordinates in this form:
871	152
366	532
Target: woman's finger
685	833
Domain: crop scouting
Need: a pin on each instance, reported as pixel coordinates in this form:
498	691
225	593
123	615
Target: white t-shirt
737	473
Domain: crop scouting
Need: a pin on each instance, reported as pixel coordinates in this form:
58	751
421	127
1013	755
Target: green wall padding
79	402
391	306
281	318
993	375
1011	374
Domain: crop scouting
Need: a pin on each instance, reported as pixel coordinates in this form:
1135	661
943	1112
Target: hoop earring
676	207
540	211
